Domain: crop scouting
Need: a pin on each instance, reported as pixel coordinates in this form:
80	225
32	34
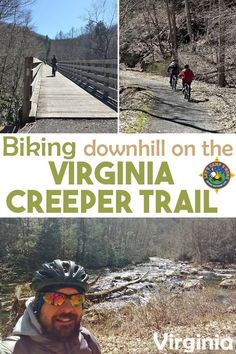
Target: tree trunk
81	243
171	15
189	23
221	46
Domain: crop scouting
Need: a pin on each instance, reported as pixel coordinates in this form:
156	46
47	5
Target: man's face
63	321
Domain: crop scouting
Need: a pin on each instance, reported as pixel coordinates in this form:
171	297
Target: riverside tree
95	243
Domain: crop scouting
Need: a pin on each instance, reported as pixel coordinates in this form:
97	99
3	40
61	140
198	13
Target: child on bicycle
186	75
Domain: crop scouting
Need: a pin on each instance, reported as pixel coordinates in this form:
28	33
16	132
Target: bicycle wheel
189	93
185	92
54	69
174	82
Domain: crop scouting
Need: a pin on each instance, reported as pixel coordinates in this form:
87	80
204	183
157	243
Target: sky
51	16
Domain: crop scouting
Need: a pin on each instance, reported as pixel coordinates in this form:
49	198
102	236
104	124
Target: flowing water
157	272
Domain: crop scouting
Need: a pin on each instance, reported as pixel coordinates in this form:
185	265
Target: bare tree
171	15
155	30
188	21
127	7
221	45
102	21
16	42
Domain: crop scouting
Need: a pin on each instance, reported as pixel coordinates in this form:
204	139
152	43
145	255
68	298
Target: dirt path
167	111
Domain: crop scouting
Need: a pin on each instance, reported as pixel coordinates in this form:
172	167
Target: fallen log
95	280
100	295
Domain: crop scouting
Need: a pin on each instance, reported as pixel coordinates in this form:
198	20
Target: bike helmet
59	274
186	66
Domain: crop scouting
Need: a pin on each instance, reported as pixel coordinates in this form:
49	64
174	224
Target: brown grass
130	330
164	310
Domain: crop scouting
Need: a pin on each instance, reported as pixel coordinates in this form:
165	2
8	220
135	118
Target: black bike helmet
59	274
186	66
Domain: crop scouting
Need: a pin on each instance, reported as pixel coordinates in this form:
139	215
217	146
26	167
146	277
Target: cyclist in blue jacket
173	69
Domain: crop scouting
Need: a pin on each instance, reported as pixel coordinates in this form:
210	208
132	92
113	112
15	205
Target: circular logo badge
216	174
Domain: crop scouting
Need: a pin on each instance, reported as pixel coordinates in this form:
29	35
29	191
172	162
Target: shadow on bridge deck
61	98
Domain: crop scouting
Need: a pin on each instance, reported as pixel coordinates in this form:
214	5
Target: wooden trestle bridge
80	89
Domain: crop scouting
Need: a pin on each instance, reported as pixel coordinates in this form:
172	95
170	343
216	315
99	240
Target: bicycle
174	82
54	69
187	91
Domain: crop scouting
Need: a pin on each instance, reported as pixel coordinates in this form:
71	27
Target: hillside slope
147	36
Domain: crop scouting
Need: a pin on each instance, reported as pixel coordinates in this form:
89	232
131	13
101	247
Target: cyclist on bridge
173	69
54	65
186	75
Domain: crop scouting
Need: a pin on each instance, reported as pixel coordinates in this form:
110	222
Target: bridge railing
32	77
98	76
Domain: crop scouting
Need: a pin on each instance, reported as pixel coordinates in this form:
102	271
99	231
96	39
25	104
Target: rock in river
228	283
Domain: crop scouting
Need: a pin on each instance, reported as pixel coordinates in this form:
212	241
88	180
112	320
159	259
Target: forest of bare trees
16	42
200	33
96	243
97	40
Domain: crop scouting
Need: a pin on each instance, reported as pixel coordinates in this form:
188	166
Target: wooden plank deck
61	98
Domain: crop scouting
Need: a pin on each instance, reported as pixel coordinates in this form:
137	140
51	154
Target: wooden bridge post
28	76
106	84
88	71
74	70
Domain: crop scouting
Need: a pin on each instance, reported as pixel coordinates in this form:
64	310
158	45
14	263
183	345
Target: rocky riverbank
176	297
182	299
176	276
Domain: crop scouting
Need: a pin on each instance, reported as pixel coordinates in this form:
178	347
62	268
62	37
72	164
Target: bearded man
51	322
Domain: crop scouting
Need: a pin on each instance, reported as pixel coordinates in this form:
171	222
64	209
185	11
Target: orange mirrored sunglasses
56	298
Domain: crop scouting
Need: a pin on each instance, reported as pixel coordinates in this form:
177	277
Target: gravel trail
168	111
71	126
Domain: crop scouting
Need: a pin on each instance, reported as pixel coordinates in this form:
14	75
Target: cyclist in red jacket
186	75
